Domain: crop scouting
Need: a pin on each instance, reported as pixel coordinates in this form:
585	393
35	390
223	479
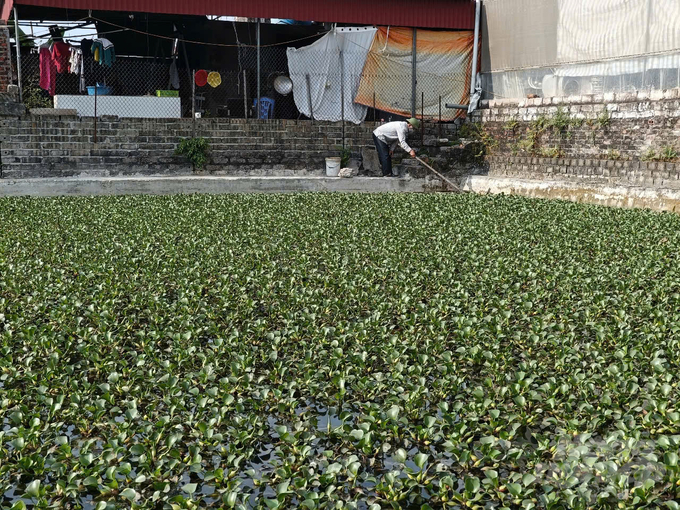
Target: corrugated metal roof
451	14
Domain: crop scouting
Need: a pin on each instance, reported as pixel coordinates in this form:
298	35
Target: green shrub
195	149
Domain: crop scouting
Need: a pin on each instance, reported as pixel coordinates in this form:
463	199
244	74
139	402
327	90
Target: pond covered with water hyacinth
337	351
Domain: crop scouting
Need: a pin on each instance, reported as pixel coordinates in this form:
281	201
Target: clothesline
81	36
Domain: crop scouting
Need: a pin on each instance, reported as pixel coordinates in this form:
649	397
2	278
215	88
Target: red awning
450	14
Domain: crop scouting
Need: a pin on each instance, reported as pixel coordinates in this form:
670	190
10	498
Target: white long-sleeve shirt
393	133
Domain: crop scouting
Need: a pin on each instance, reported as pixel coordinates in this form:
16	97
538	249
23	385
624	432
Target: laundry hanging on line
48	71
76	66
103	51
53	60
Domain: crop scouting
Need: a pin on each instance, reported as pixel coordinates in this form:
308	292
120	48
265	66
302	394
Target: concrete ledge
87	186
658	199
11	109
53	112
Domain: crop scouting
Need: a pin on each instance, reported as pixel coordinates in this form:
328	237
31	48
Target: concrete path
135	185
583	191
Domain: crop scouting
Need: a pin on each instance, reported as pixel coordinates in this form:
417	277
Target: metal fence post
374	112
475	49
17	44
342	96
414	71
95	111
258	69
193	105
440	117
309	98
422	119
245	95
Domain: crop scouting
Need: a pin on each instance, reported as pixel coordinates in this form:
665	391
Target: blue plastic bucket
102	90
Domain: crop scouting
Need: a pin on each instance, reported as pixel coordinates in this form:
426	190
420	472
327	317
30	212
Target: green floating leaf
282	488
357	434
472	484
129	494
33	489
528	479
230	499
272	503
90	481
420	460
190	488
515	489
334	468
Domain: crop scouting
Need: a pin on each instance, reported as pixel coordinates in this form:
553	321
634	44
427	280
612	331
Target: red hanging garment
48	71
61	54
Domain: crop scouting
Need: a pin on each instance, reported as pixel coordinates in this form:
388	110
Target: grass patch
337	351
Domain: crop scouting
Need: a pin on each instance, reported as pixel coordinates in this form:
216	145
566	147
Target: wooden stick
456	188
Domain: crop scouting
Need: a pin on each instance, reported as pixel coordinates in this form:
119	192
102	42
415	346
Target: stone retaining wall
628	139
47	145
5	56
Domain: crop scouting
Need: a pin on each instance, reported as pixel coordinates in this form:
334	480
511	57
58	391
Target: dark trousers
384	155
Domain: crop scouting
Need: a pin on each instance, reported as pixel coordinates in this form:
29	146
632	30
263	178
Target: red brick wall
5	56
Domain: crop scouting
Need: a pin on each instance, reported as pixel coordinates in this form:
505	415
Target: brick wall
49	146
5	56
615	138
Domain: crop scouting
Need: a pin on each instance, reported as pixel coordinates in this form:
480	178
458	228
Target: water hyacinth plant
337	351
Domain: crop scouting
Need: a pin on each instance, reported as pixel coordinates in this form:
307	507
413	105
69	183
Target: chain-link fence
335	78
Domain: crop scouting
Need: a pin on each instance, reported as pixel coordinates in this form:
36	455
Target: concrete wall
621	139
46	145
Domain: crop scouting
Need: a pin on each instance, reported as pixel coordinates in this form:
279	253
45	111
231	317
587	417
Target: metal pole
186	59
245	95
374	112
193	105
475	51
95	111
422	120
342	96
258	68
414	73
440	117
309	98
17	43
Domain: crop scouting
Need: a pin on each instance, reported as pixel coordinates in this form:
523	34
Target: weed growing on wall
195	150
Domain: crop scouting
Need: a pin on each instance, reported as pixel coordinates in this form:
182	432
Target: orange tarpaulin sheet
444	66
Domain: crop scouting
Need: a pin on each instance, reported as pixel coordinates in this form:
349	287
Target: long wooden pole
455	188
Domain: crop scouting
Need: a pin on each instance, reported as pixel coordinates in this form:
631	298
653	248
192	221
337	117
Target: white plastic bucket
333	167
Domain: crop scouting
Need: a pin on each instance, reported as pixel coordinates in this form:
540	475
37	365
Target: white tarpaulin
592	37
621	32
337	58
